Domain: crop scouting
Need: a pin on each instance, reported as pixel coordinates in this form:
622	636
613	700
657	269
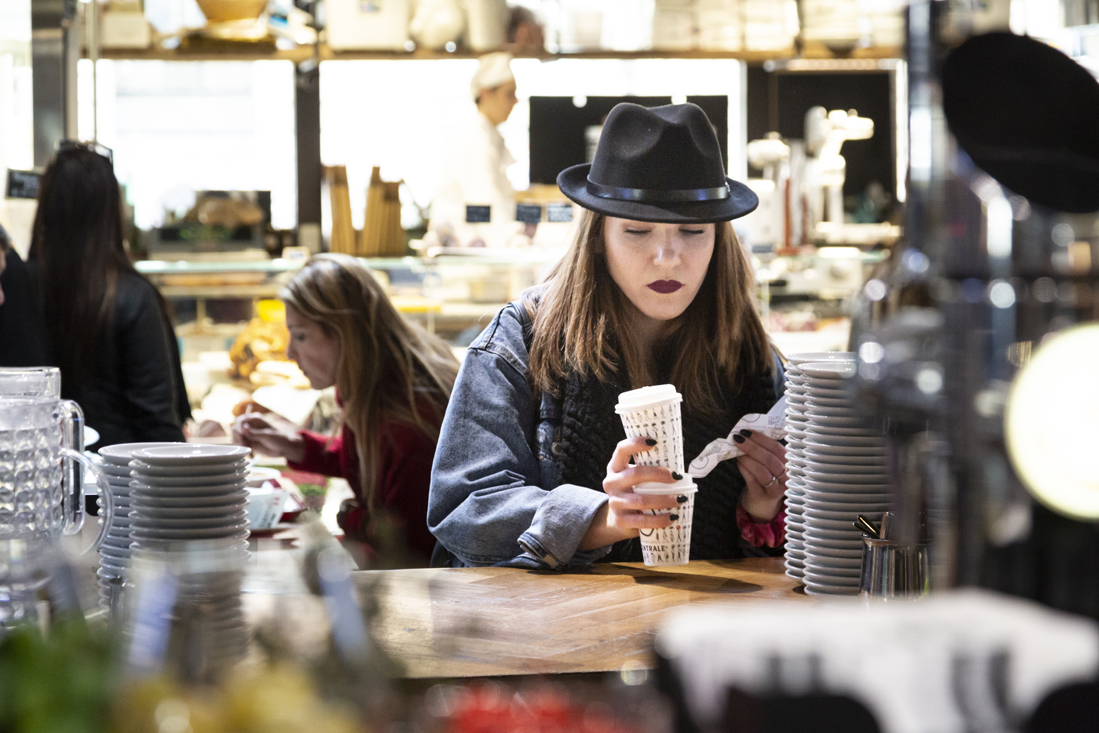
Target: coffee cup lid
637	399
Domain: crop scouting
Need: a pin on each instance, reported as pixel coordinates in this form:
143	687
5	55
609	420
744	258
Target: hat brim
742	200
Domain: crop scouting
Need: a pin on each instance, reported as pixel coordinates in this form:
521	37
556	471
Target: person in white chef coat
475	167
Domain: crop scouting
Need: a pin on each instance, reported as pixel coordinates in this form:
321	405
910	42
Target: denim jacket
495	497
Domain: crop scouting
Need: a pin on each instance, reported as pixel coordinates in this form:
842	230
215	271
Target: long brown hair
390	369
581	321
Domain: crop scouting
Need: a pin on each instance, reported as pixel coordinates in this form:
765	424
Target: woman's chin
315	383
665	313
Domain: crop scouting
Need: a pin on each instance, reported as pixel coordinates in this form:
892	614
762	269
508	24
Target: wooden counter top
474	622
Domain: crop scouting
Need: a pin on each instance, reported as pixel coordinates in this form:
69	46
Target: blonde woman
533	468
393	380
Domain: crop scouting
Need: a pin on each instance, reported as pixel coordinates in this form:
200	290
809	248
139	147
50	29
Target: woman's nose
667	249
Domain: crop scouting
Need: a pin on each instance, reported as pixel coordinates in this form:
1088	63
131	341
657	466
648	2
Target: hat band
658	194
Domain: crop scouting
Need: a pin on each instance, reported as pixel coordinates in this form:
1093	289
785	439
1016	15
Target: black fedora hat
658	164
1029	116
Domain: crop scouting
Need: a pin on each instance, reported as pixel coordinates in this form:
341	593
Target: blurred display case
455	295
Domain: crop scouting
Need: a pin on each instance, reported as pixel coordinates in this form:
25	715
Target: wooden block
339	196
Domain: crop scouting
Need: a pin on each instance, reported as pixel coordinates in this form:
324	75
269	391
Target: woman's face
317	354
660	267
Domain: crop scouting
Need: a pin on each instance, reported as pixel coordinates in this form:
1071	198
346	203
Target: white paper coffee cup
654	412
672	545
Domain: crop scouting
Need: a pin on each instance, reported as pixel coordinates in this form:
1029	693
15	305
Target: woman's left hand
763	466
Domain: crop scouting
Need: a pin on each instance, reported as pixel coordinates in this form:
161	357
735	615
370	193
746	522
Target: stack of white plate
115	553
189	515
188	492
836	471
796	423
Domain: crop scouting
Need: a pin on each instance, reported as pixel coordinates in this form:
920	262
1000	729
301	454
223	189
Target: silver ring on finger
768	484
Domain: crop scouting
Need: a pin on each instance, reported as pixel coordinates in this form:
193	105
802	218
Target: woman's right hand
626	513
269	435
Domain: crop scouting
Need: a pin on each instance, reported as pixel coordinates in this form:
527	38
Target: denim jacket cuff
533	549
560	524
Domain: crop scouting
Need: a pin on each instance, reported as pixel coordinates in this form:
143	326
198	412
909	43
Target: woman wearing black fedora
532	466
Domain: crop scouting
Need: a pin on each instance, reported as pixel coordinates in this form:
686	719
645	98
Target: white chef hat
495	69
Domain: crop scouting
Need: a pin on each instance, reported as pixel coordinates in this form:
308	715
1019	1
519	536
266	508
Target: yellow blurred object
271	311
415	304
134	711
223	11
282	698
259	341
1051	422
271	701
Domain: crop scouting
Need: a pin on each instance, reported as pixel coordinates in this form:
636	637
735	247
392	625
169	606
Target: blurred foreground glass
37	584
183	613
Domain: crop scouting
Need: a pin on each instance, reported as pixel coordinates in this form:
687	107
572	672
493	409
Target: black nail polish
746	433
673	517
677	476
681	498
739	438
650	441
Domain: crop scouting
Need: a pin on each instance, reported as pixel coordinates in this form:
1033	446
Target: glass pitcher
39	497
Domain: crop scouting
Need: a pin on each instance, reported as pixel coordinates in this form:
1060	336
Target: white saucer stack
189	518
115	553
836	466
188	492
796	423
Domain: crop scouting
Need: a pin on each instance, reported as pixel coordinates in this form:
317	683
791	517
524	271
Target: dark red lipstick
665	286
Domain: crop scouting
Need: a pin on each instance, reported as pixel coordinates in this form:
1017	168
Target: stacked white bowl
115	553
836	466
189	519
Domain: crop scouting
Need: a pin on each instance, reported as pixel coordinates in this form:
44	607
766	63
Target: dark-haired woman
533	466
107	325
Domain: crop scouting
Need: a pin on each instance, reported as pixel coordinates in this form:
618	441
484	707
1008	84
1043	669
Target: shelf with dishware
322	52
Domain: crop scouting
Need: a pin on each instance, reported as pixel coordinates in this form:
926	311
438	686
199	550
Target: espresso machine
974	347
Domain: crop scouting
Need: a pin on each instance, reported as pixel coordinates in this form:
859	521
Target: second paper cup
670	546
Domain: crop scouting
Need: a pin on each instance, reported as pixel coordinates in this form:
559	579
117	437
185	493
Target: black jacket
136	393
22	330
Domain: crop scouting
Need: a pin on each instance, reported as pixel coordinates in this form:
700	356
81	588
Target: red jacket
404	474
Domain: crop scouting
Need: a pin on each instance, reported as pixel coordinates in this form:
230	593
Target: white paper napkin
773	425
